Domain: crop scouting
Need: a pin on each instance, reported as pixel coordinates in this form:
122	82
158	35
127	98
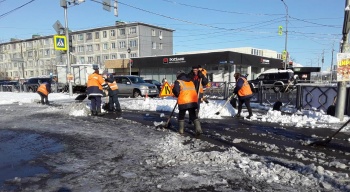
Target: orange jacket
188	97
94	85
245	89
43	89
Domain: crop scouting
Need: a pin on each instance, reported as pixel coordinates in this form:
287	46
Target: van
277	79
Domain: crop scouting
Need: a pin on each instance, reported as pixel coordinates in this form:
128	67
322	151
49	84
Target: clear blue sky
314	26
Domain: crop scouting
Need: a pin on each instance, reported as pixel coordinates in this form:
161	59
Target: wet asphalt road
276	143
270	141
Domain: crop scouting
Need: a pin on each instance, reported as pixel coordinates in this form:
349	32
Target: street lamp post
286	39
65	7
129	50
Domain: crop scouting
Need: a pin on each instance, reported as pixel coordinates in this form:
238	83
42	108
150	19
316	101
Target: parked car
276	79
32	84
154	82
134	86
10	86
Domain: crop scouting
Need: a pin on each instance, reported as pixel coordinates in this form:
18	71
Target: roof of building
117	25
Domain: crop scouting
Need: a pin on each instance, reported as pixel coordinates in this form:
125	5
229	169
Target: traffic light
280	30
70	44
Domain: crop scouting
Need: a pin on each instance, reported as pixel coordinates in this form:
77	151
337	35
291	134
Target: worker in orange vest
187	100
44	90
244	94
114	105
95	86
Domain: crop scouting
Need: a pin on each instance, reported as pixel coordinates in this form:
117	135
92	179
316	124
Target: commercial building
220	64
37	57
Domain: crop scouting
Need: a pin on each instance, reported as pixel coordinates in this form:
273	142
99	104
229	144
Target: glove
200	74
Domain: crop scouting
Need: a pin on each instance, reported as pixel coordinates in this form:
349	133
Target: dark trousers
44	98
113	100
246	101
192	114
95	103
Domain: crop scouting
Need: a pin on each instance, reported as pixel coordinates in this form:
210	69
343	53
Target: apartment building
37	56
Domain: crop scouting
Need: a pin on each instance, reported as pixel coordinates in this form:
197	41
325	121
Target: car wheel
31	90
136	93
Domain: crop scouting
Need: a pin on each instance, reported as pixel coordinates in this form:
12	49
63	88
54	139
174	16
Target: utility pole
332	64
286	39
341	93
65	7
322	59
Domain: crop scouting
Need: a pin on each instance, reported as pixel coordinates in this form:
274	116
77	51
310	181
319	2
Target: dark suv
278	80
32	84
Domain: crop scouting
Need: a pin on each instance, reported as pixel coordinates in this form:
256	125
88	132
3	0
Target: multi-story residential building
37	56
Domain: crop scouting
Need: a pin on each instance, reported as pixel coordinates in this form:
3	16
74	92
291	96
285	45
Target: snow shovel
166	125
329	138
228	100
81	97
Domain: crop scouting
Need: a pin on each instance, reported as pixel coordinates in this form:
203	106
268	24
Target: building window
88	36
105	46
30	54
122	56
81	37
113	45
113	56
47	52
90	59
112	33
121	31
97	47
98	59
132	30
97	35
153	32
160	45
105	57
31	73
72	37
133	54
52	52
122	44
133	43
89	48
104	34
154	45
80	49
82	60
160	34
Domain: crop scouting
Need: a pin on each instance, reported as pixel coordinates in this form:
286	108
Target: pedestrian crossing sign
60	42
166	90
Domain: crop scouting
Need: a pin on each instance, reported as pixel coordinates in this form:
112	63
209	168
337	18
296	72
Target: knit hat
179	73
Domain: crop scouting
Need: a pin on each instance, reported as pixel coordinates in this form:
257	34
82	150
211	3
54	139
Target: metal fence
32	88
314	96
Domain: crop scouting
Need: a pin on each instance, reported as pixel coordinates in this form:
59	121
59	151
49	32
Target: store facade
221	66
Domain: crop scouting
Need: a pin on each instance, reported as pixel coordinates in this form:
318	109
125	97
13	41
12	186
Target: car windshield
136	80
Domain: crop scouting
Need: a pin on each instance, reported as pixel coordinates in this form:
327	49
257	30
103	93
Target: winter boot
250	113
93	113
181	126
99	113
198	128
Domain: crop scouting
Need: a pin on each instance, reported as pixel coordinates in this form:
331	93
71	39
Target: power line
5	14
222	11
314	23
